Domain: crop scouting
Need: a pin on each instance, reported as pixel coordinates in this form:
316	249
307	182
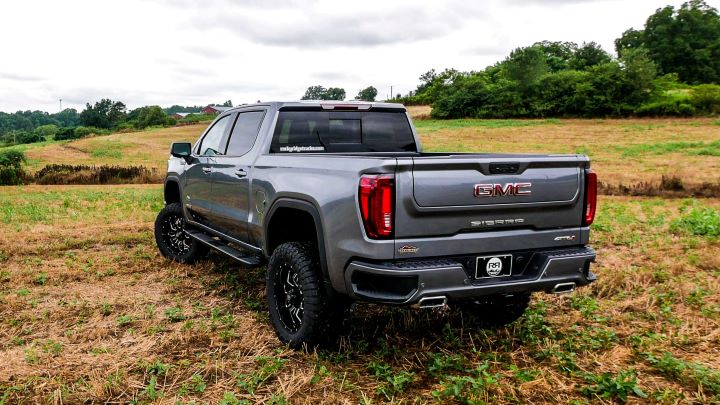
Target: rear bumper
408	282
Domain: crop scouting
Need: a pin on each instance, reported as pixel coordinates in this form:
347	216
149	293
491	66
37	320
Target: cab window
211	143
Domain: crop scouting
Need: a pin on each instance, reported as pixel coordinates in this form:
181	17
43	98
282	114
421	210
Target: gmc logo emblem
499	190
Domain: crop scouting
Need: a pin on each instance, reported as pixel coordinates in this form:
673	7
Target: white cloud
195	52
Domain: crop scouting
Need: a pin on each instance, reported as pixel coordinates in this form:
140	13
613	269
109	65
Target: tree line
101	117
336	93
669	68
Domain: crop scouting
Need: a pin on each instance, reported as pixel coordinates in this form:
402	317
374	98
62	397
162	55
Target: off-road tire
300	311
171	238
496	310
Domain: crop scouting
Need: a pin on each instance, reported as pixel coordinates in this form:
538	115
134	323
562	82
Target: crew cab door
232	174
198	195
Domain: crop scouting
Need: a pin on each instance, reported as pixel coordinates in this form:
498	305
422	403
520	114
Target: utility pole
60	105
391	93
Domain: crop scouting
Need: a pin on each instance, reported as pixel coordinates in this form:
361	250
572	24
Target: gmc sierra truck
338	200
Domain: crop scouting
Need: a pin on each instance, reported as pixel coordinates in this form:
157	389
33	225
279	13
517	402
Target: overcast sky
196	52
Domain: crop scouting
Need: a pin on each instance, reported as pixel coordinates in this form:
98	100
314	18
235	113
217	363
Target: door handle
241	173
206	170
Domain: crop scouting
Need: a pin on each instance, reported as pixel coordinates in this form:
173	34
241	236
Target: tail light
590	197
377	200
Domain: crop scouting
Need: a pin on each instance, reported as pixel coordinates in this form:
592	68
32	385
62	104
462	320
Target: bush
193	118
666	107
28	137
81	132
46	130
11	170
706	98
65	134
82	174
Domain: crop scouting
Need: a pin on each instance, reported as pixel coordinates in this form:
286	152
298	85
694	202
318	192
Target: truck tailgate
451	194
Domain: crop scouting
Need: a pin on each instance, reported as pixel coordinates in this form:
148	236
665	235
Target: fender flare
305	206
176	180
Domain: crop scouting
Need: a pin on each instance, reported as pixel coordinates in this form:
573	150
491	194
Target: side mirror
181	150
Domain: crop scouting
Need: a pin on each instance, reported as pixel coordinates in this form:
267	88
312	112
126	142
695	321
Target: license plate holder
493	266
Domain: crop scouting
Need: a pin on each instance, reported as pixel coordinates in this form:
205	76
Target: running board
248	260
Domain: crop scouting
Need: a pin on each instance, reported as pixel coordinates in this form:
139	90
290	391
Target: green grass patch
701	221
686	148
108	149
432	125
22	207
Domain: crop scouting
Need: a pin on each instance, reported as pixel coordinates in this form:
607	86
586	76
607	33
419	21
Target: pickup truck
341	204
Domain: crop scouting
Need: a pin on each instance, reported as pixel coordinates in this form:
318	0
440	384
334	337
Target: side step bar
248	260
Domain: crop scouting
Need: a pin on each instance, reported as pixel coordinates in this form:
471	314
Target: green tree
46	130
684	41
367	94
557	54
315	93
11	170
321	93
104	114
589	54
227	104
335	93
68	117
148	116
640	73
525	66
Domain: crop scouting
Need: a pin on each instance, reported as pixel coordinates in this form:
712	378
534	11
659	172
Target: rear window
342	131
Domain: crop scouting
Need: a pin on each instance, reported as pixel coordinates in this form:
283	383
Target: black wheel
496	310
171	238
300	311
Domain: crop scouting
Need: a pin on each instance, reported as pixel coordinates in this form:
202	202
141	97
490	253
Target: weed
607	386
442	363
51	347
269	366
157	368
320	373
277	399
125	320
197	383
95	351
151	391
106	309
467	389
391	382
175	314
585	304
41	279
533	327
523	375
31	356
697	297
693	373
230	399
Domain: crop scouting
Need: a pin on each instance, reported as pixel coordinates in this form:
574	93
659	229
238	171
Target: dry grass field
626	151
90	313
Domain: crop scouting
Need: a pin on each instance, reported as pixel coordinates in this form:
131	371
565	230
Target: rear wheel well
290	225
172	192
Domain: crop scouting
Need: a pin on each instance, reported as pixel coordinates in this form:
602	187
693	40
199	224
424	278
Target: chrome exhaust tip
432	302
563	288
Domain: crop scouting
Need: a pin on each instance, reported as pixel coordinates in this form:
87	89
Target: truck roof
327	104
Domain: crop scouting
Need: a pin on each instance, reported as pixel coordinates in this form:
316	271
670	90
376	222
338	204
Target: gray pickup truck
341	204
